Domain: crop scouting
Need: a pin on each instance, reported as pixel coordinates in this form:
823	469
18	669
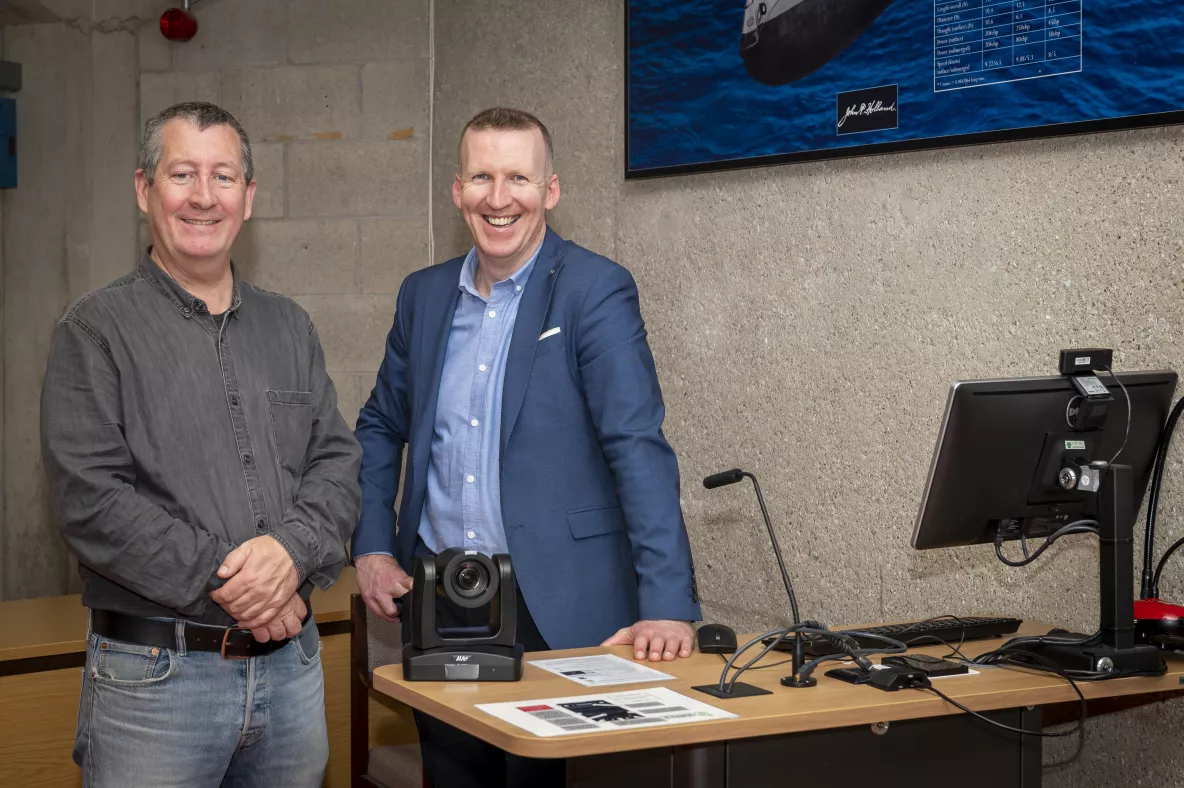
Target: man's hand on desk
381	581
260	581
662	640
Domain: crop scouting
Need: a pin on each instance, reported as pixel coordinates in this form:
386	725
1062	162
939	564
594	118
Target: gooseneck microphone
731	477
723	478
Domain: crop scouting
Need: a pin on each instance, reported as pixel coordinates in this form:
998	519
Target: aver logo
461	657
871	109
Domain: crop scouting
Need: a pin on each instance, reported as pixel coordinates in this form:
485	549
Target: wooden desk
795	727
42	651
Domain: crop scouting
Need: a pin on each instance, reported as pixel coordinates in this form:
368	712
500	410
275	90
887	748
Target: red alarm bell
177	24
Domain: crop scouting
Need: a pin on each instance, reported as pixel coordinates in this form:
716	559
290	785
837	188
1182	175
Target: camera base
463	663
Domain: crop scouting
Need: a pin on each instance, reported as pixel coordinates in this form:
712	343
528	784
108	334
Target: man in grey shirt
202	475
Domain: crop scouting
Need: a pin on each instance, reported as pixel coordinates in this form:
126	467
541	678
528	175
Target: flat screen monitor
1002	443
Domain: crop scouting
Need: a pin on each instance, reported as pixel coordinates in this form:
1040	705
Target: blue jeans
163	717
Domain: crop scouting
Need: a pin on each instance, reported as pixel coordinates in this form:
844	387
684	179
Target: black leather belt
230	642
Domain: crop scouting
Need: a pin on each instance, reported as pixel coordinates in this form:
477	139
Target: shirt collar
468	273
187	303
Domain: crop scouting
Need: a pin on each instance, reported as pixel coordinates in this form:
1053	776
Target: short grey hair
201	114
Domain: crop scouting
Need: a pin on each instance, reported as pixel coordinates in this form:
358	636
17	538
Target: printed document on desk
608	712
601	670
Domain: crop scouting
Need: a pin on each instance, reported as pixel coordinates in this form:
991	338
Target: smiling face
503	190
199	197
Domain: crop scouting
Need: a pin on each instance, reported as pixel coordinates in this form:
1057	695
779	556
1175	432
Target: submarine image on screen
785	40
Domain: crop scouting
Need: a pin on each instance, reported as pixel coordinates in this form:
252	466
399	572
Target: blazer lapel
532	311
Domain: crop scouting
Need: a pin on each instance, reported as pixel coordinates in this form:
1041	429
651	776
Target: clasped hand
260	590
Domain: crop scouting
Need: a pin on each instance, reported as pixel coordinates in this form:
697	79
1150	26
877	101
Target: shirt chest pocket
291	427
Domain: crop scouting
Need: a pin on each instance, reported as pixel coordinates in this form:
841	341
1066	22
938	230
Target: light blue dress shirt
464	500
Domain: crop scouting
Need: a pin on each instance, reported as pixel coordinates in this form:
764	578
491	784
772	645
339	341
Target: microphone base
739	690
796	683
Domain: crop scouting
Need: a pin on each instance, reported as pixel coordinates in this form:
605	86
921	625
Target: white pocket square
550	332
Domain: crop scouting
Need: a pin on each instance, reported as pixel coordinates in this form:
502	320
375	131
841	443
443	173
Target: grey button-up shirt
169	437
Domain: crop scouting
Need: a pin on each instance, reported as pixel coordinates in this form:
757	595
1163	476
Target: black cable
1128	413
1159	569
757	658
772	664
762	667
997	656
1004	726
1076	527
922	637
1053	640
955	651
1012	653
774	634
1161	456
844	641
894	647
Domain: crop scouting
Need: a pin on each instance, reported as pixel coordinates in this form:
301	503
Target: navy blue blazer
589	485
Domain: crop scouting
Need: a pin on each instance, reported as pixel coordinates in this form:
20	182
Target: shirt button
234	402
471	534
493	313
260	525
247	460
482	367
187	312
517	288
199	306
474	422
470	478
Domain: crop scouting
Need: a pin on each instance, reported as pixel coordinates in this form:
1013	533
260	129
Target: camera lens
470	579
467	579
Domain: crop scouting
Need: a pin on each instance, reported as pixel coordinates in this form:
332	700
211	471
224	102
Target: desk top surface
831	704
57	624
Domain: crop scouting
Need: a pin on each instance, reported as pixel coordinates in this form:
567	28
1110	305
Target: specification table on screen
979	42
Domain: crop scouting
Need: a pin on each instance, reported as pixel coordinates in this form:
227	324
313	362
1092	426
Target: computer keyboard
935	631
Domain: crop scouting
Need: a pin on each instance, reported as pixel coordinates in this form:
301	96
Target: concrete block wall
336	99
767	294
70	229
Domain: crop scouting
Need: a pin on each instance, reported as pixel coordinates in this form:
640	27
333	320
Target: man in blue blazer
520	381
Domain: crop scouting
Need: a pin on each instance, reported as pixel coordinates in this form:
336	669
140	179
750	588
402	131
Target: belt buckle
225	639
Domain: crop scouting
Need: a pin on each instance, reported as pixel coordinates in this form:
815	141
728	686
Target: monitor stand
1117	653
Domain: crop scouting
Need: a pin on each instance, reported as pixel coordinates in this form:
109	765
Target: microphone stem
793	602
